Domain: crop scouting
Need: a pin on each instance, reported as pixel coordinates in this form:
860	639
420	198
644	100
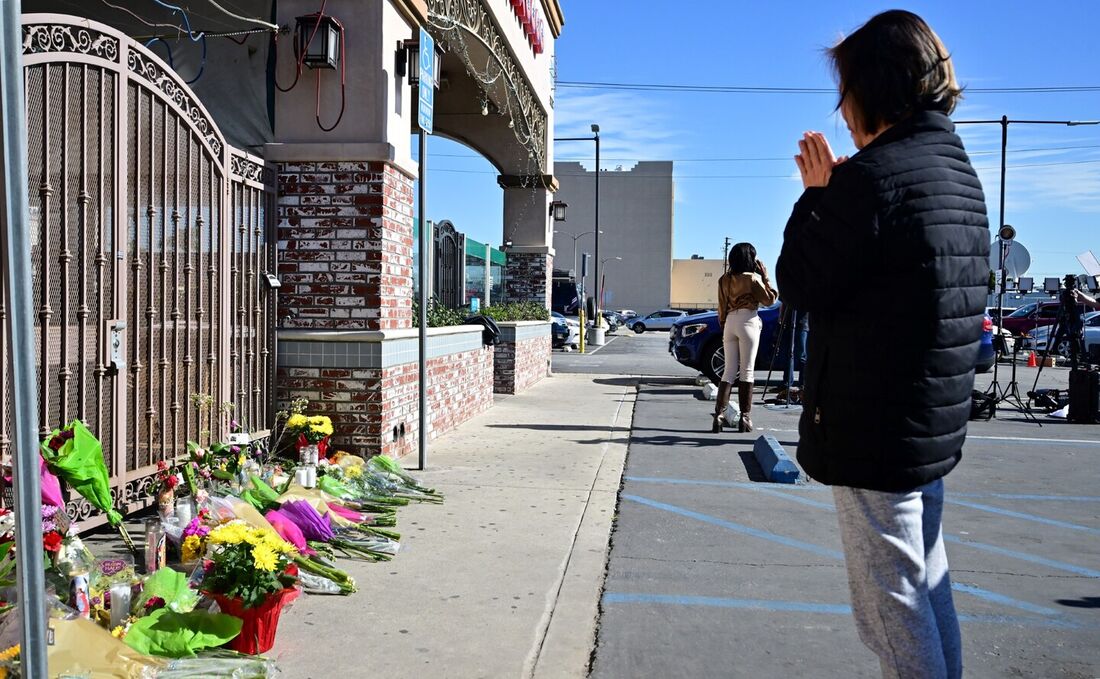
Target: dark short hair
742	258
891	67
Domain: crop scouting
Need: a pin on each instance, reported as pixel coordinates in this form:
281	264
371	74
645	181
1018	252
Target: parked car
696	341
1040	337
626	314
564	296
613	320
565	331
1025	319
658	320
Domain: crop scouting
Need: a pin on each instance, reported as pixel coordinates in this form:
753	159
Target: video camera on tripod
1069	331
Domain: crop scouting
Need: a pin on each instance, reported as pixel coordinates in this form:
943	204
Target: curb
777	465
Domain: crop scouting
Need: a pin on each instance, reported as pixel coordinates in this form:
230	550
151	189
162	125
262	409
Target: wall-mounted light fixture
317	38
557	210
411	68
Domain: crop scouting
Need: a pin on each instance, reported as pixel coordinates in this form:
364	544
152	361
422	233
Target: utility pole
726	252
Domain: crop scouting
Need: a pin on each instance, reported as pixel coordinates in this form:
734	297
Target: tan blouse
743	291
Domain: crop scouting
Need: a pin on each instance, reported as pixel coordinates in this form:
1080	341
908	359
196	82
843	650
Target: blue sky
1053	192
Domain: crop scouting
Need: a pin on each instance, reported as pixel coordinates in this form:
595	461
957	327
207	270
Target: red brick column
345	246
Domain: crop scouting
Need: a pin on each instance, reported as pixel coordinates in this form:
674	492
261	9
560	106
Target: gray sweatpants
897	572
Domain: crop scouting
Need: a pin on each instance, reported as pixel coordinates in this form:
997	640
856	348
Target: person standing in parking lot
884	422
741	291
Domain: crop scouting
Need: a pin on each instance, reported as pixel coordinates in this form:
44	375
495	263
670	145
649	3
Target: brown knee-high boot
744	398
720	403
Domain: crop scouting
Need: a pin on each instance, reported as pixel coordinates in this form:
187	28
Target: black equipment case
1084	397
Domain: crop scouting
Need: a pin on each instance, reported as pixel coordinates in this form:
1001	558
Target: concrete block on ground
777	465
709	391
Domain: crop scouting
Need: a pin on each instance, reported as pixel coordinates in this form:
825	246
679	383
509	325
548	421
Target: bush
439	316
517	311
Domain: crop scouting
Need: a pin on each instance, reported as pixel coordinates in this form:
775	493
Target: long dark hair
742	258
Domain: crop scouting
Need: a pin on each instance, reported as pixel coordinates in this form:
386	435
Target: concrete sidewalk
504	579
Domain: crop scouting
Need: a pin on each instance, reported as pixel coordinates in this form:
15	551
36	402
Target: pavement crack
1014	574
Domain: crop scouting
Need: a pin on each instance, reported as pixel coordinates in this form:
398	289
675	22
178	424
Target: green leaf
171	586
178	635
222	475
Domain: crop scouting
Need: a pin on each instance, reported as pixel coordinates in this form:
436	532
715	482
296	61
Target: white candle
183	511
120	603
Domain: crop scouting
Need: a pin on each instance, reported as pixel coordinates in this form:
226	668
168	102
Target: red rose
52	541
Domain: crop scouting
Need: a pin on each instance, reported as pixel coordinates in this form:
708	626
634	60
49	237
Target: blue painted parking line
1031	498
1023	515
618	598
966	589
812	487
996	598
1023	556
738	528
781	490
1022	440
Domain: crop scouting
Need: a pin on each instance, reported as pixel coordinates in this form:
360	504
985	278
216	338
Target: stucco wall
636	216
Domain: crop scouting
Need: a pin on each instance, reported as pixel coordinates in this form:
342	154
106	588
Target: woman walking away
741	290
884	422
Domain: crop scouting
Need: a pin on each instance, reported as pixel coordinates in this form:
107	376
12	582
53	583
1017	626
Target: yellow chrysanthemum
354	472
297	421
192	545
264	558
118	632
231	533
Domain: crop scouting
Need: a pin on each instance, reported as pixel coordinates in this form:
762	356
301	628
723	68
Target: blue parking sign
427	81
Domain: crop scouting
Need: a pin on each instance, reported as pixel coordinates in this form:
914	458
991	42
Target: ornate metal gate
151	241
449	277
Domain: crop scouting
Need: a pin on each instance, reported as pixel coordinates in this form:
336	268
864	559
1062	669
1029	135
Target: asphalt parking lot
715	573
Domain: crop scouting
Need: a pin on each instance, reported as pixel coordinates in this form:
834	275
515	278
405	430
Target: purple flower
309	520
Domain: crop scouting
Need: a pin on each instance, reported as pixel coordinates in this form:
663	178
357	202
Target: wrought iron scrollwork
39	38
250	170
178	94
471	16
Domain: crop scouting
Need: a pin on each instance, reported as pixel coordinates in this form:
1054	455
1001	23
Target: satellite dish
1017	258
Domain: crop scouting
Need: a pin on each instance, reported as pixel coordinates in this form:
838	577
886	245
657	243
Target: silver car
658	320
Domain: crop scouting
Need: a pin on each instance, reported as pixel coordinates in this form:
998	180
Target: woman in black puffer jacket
887	395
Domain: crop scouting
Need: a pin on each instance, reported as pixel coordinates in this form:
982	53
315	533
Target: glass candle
184	511
120	603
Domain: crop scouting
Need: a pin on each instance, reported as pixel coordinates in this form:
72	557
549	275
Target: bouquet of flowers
76	456
311	430
248	564
168	479
315	428
194	537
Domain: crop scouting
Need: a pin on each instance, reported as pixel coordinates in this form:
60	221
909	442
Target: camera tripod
1011	392
1067	327
787	318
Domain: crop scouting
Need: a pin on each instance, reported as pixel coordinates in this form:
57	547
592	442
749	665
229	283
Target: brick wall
367	405
520	364
528	278
345	246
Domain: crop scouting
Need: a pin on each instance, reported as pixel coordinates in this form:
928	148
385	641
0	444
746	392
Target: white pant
741	340
897	573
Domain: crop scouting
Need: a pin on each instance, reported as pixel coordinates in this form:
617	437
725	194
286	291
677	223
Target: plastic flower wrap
248	563
76	456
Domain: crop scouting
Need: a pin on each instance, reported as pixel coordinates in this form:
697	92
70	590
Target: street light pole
575	237
596	138
599	302
603	284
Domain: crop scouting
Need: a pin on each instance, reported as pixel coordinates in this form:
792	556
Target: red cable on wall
343	85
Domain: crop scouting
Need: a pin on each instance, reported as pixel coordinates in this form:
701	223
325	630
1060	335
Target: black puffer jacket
891	260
